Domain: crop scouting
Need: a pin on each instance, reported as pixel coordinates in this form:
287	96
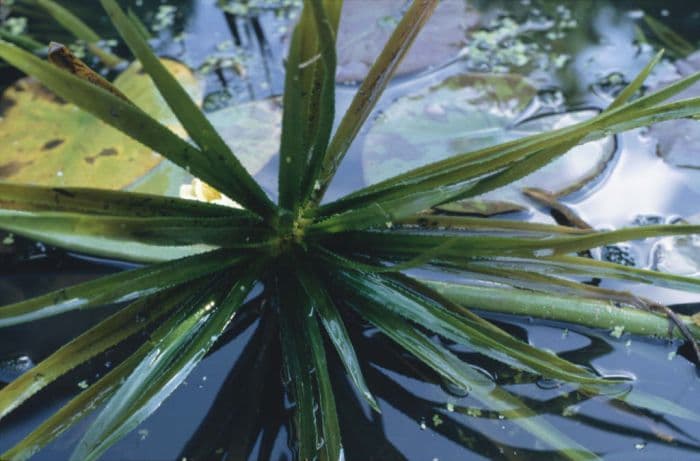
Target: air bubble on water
13	368
455	389
548	384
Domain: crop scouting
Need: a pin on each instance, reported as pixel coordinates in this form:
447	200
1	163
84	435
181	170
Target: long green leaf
437	314
232	232
171	360
635	84
122	287
293	143
593	313
109	332
589	267
232	178
579	310
463	375
411	244
309	98
385	212
370	90
74	411
327	17
328	416
475	224
25	197
338	334
296	355
22	40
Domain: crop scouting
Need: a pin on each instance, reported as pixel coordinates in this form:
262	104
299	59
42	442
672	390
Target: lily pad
678	141
363	32
49	142
679	255
472	111
252	130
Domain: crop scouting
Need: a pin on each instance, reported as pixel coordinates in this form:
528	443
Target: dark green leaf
113	330
335	328
331	443
122	287
26	197
298	368
241	231
370	90
426	308
635	84
463	375
170	361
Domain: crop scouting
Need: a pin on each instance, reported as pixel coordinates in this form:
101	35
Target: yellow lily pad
50	142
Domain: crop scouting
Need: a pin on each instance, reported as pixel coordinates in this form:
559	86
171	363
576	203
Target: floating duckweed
165	17
9	239
474	412
571	410
617	331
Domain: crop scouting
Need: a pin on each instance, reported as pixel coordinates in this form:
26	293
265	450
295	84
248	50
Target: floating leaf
679	255
363	32
55	143
252	130
679	140
468	112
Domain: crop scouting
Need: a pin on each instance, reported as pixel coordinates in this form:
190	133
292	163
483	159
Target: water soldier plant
305	266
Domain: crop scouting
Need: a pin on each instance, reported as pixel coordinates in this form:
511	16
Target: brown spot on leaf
12	168
53	144
5	104
109	152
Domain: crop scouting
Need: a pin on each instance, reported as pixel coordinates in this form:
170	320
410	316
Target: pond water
562	57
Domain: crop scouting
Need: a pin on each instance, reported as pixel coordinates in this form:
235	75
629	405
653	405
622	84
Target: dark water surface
577	53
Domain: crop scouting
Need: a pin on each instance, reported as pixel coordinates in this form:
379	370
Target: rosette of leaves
315	263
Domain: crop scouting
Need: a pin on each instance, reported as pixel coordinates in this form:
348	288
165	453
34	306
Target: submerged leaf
363	31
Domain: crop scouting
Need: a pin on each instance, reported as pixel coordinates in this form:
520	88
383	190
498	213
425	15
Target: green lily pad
678	141
363	32
472	111
679	255
50	142
252	130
